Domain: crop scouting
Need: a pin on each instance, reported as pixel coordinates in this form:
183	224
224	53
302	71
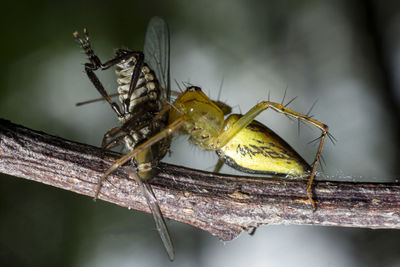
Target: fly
144	91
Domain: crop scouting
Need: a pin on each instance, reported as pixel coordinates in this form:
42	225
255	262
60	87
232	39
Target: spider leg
160	114
218	166
247	118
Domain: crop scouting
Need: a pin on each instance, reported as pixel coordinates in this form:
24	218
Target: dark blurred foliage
44	226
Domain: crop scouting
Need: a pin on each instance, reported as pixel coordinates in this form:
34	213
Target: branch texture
220	204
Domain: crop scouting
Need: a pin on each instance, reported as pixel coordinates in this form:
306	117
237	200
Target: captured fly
144	92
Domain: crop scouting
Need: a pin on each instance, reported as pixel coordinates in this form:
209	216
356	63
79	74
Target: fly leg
247	118
95	64
108	144
105	144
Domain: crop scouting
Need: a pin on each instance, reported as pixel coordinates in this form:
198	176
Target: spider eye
194	89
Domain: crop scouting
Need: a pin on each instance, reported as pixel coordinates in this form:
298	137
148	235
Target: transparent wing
157	53
155	210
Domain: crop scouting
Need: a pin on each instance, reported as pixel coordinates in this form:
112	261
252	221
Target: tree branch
220	204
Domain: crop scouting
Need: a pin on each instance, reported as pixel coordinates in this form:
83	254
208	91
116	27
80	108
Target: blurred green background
345	54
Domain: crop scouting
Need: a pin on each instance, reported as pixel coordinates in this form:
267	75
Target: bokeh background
345	54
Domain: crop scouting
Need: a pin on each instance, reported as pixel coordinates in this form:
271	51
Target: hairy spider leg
247	118
163	111
218	166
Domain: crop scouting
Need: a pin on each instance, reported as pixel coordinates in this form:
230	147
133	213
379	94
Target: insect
143	93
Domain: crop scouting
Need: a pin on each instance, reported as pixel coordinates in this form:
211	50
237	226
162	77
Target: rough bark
220	204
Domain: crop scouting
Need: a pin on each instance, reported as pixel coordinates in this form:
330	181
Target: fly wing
159	220
157	53
157	215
